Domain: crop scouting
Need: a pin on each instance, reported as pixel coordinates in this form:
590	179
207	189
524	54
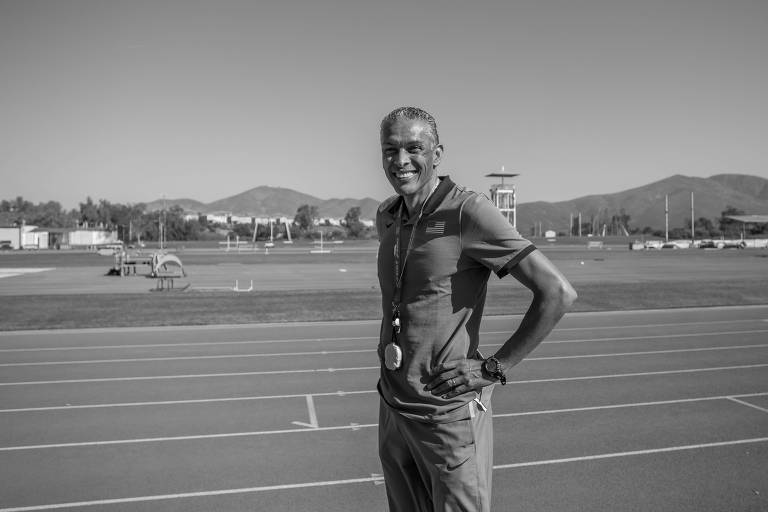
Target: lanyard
399	269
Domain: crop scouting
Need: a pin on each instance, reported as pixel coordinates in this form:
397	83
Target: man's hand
455	378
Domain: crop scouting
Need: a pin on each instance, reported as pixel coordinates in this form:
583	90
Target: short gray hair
411	113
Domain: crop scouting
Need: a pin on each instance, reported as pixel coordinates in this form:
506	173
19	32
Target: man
438	245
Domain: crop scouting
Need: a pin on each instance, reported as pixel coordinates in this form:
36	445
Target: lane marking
312	415
660	336
355	426
228	399
359	351
363	338
196	437
190	344
631	453
363	368
344	323
630	405
638	374
648	352
182	402
190	358
374	478
186	376
742	402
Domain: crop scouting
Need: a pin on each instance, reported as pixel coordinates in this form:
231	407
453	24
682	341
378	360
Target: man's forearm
538	322
553	295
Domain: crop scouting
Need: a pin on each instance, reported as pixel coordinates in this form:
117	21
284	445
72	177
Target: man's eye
415	149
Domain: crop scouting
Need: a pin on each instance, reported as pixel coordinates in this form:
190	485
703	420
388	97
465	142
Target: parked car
676	244
653	244
731	244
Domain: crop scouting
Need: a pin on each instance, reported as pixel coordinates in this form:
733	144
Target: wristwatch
495	369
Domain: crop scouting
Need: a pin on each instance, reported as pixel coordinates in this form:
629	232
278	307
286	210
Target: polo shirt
461	238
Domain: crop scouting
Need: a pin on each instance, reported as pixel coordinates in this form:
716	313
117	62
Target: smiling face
410	156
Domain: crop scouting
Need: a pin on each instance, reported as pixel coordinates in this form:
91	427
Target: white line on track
363	338
362	368
191	358
192	344
188	376
631	453
331	352
313	427
742	402
181	402
312	414
661	336
374	478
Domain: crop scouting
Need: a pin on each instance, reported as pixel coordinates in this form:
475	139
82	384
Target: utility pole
666	218
570	224
693	232
579	224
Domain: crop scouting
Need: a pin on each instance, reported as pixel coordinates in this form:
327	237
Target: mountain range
272	202
644	205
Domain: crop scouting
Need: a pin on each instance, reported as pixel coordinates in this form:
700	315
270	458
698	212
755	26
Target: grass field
290	284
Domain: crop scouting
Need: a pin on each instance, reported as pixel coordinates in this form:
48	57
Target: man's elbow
568	295
562	294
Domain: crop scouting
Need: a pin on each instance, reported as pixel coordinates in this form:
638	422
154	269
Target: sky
132	100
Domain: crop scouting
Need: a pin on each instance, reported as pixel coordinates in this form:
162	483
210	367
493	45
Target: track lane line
374	337
742	402
360	351
375	478
312	426
365	368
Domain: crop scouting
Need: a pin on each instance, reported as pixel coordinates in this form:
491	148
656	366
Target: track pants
437	467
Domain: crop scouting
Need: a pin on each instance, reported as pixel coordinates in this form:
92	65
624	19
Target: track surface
645	410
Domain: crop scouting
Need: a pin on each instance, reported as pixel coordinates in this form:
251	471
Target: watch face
491	366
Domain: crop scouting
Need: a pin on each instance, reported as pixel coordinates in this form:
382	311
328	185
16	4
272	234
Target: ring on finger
453	383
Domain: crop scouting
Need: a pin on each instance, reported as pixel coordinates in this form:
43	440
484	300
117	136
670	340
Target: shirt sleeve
488	238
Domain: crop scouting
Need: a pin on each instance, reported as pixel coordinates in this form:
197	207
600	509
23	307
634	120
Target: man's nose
402	157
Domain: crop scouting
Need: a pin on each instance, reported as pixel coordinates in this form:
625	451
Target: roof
501	175
759	219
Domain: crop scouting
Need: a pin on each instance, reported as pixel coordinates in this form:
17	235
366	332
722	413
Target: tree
305	217
89	212
704	227
730	227
355	228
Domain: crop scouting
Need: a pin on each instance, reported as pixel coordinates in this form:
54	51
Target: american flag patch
435	227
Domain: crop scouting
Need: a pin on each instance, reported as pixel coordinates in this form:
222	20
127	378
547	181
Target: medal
393	356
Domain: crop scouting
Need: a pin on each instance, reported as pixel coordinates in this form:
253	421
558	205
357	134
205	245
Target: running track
617	411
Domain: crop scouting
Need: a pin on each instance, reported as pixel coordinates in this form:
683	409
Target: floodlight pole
693	232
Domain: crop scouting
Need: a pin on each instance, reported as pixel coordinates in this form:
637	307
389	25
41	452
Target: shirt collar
443	188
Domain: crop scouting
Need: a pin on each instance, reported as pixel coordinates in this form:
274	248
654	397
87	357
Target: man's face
409	156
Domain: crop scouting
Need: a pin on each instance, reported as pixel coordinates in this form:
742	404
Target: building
33	237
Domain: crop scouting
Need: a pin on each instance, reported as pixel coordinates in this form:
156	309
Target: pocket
450	444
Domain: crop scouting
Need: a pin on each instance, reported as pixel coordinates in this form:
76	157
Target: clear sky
129	100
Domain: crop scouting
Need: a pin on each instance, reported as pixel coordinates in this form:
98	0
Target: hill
272	202
645	205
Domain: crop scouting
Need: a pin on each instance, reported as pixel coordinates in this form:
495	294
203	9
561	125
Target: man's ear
438	152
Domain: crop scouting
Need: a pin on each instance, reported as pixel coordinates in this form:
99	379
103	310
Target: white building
24	237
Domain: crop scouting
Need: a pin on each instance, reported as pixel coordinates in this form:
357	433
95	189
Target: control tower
503	196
